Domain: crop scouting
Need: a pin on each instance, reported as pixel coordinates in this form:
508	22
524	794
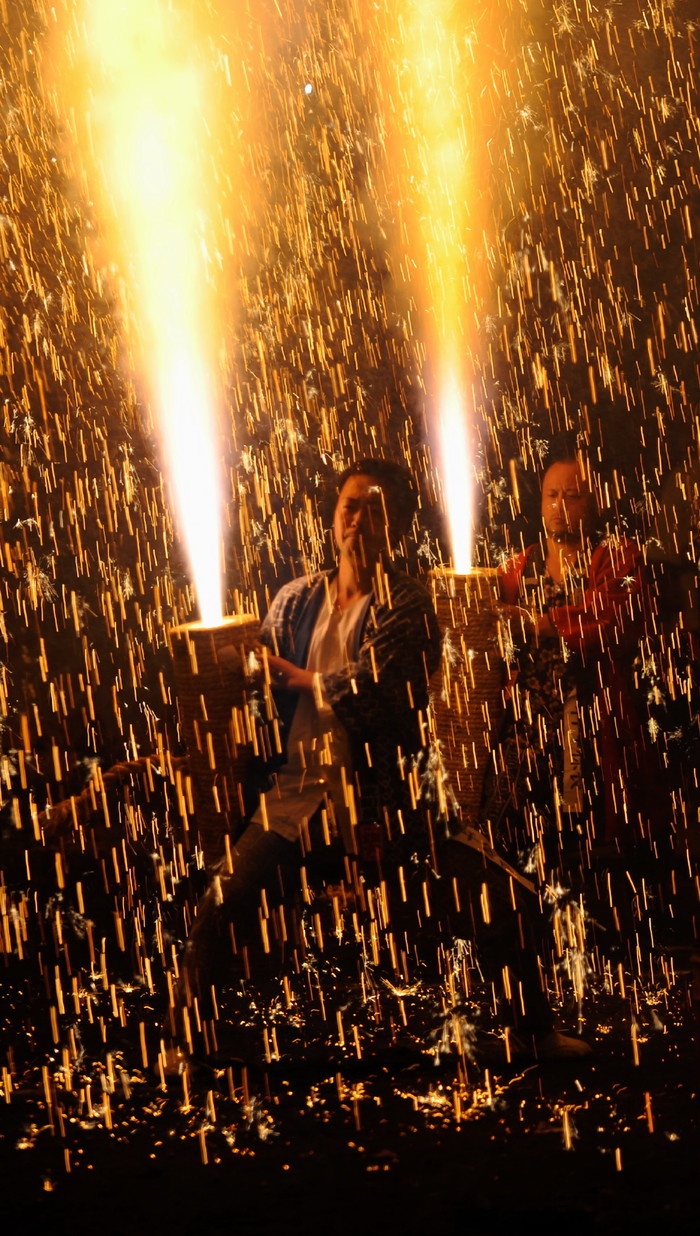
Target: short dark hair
398	486
562	448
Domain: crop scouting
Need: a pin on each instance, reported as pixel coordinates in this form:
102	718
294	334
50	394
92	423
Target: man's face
567	502
360	519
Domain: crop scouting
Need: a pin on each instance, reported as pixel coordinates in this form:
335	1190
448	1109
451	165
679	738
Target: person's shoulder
407	589
514	566
618	550
295	591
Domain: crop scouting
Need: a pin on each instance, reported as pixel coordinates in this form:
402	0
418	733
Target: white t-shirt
319	763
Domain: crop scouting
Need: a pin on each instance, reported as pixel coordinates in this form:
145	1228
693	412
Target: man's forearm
284	675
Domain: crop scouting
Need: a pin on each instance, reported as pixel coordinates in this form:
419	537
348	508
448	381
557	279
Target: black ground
411	1135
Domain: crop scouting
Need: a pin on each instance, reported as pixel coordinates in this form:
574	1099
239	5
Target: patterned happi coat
380	695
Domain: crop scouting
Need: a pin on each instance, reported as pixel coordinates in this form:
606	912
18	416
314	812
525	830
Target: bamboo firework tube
469	705
210	665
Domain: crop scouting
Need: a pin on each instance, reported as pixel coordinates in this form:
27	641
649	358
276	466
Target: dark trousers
247	920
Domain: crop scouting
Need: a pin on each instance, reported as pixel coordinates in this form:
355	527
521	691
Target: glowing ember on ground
141	81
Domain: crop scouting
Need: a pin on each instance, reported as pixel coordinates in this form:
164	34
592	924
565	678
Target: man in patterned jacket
350	653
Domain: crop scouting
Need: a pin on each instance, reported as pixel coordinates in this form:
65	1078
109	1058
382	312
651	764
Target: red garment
605	630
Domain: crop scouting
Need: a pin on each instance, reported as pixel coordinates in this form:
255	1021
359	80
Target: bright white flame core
148	118
456	471
194	470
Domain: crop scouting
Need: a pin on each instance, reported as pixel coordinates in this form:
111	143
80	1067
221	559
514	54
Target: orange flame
437	80
133	70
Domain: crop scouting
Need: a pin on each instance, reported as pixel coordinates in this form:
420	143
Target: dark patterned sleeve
277	634
380	692
274	624
280	625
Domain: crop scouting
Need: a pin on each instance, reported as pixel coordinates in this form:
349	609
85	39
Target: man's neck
355	579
